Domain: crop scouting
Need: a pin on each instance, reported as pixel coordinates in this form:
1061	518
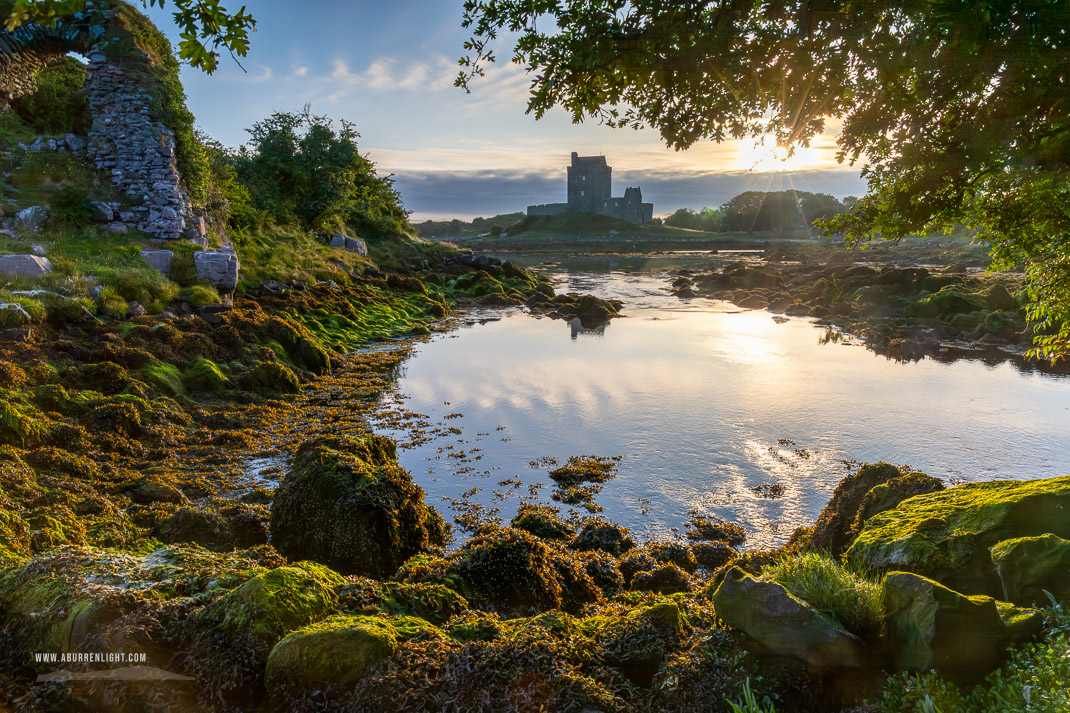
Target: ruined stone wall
548	209
135	150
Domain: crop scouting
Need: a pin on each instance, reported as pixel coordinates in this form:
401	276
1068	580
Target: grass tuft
829	586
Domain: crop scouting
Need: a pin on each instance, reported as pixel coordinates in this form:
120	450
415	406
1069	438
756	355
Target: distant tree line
762	211
456	228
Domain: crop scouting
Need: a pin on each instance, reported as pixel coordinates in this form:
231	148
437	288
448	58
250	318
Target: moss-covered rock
273	378
834	529
150	489
339	651
601	534
933	627
513	571
663	579
1030	566
637	641
713	555
434	602
348	504
888	495
786	625
542	521
235	527
202	375
274	603
947	535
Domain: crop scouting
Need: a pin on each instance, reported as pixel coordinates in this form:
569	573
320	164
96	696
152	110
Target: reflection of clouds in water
695	393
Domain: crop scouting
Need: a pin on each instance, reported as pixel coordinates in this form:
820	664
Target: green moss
272	377
14	538
276	602
831	588
165	377
198	295
947	535
341	650
21	425
204	376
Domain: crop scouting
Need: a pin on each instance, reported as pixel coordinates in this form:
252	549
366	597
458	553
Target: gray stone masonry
32	218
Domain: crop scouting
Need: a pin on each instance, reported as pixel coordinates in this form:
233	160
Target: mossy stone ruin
126	84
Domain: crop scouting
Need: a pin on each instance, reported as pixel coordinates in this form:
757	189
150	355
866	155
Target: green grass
286	253
831	587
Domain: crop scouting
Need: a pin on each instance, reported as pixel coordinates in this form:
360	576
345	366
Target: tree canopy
205	25
958	109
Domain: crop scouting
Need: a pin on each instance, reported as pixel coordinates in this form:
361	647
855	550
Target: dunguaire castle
590	190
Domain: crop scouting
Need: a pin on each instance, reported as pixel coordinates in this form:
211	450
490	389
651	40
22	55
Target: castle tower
590	184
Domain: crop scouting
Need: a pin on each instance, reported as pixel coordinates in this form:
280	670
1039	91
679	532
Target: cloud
466	194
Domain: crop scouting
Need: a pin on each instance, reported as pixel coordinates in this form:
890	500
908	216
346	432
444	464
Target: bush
58	106
828	586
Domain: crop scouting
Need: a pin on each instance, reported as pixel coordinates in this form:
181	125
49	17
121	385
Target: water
705	402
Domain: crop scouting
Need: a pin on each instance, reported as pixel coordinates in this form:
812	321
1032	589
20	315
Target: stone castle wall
590	190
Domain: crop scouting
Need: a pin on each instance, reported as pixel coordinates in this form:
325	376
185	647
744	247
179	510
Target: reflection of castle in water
577	328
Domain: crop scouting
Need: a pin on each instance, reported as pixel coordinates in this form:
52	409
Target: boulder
24	266
1000	299
339	651
338	241
932	627
147	490
218	268
835	526
358	246
235	527
947	535
135	309
784	624
159	260
1029	566
599	534
76	144
274	603
32	218
348	504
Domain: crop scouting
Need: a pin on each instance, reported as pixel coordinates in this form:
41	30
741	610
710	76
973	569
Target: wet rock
931	627
516	572
600	534
348	504
664	579
784	624
1030	566
32	218
24	266
542	521
947	535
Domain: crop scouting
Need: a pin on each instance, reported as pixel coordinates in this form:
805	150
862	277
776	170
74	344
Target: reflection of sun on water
764	155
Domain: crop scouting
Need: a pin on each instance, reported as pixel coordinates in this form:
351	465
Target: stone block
217	268
159	260
24	266
338	240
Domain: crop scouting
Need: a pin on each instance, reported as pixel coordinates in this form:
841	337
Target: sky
389	68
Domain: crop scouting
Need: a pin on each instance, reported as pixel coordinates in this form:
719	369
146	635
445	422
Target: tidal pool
705	403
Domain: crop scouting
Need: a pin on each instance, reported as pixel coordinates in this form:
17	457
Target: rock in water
932	627
24	266
1029	566
783	623
947	535
348	504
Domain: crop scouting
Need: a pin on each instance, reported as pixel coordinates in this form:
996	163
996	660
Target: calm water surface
705	402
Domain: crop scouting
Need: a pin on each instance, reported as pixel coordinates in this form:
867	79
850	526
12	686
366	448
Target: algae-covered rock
513	571
148	489
834	529
784	624
348	504
713	554
339	651
542	521
272	377
932	627
663	579
637	642
947	535
888	495
273	603
234	527
600	534
436	603
1030	566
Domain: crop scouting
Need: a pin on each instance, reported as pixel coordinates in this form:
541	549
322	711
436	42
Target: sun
764	154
